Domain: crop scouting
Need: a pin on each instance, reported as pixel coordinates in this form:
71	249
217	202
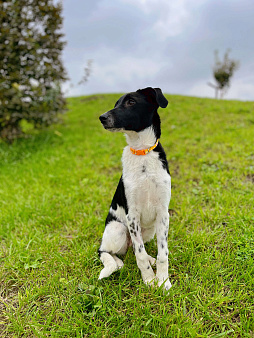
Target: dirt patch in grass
7	299
91	98
250	178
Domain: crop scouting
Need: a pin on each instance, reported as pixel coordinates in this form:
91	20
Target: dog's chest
147	184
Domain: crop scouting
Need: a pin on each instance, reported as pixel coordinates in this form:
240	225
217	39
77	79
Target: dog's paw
119	262
152	260
148	276
166	284
104	273
108	270
150	282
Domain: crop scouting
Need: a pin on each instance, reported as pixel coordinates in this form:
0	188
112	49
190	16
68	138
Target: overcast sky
159	43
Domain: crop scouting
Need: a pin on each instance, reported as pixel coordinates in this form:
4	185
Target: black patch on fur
120	197
120	200
156	125
101	251
143	169
162	157
111	217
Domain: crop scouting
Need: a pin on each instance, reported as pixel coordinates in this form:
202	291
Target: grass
56	188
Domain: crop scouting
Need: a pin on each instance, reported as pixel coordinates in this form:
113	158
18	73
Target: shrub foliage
31	68
223	71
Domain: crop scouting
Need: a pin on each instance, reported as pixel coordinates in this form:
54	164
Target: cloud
111	72
136	43
167	18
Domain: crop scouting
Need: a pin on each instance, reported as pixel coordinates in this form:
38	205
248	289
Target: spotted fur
139	208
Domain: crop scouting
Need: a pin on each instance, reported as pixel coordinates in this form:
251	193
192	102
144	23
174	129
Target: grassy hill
56	188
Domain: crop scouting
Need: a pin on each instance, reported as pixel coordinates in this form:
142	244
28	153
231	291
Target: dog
139	208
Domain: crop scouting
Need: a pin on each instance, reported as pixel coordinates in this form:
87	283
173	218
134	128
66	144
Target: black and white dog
139	208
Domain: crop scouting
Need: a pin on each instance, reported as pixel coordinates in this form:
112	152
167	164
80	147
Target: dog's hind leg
115	241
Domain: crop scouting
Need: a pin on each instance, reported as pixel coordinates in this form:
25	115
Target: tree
223	72
87	72
31	69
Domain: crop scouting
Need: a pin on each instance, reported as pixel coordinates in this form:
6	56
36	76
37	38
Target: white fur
115	238
120	214
148	191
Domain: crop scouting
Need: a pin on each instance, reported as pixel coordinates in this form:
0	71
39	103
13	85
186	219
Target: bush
31	69
223	71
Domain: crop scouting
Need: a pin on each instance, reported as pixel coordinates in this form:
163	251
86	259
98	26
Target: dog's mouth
113	129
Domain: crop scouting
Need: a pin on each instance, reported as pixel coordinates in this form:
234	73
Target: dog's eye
130	102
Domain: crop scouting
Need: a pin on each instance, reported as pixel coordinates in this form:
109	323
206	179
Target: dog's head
134	111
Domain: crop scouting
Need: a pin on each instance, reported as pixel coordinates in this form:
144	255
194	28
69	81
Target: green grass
56	188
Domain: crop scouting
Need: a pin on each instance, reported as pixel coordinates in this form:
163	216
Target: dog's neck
141	140
145	138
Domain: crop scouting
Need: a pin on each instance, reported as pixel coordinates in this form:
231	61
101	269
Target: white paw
107	271
119	262
104	273
148	276
166	284
150	281
151	260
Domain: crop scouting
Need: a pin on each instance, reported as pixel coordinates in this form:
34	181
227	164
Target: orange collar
144	151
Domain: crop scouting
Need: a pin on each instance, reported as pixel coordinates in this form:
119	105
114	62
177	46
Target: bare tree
85	77
223	72
87	72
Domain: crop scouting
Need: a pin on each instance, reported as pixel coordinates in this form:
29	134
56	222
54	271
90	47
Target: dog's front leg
144	261
162	224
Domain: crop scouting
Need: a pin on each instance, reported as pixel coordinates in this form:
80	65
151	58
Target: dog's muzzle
107	120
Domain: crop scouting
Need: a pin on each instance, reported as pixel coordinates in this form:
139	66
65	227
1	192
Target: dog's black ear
154	95
160	98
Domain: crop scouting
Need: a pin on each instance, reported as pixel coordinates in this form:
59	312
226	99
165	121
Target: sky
168	44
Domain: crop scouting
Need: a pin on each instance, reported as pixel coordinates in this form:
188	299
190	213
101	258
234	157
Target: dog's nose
103	117
107	120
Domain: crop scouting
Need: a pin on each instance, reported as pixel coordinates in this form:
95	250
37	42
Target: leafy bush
223	71
31	68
